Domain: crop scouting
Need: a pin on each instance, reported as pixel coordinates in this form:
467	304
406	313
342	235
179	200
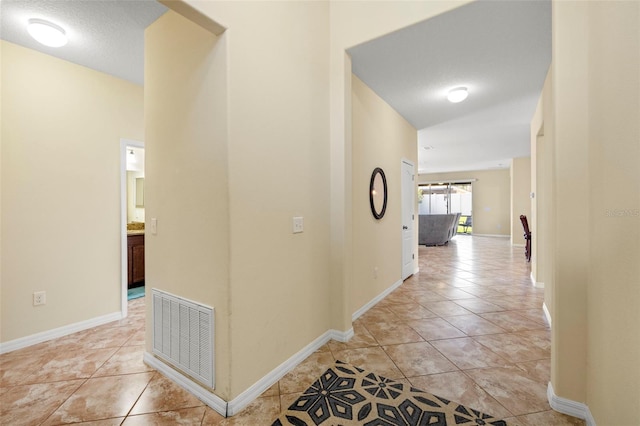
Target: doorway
132	220
447	198
408	219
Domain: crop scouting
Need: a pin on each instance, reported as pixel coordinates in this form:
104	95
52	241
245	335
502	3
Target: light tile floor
469	327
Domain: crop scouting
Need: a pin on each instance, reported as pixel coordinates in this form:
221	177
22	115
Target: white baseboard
248	396
245	398
341	336
43	336
569	407
535	283
547	314
203	394
357	314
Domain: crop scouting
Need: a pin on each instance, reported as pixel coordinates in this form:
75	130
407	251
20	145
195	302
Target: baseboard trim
341	336
547	314
535	283
569	407
55	333
357	314
248	396
203	394
245	398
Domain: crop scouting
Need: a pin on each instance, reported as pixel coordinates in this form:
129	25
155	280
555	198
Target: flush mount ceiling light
458	94
47	33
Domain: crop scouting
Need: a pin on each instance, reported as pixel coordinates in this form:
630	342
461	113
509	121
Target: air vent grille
183	335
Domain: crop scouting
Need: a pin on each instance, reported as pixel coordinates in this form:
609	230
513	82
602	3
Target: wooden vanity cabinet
135	260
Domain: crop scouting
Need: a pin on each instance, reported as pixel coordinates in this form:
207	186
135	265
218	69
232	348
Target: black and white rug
346	395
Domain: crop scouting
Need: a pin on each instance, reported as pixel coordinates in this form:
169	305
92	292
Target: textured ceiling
500	50
107	36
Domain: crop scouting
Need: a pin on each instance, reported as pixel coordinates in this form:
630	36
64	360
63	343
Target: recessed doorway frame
408	218
124	143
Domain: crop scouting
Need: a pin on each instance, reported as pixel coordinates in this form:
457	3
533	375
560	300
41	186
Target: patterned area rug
346	395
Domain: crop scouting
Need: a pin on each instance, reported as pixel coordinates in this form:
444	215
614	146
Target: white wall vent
183	335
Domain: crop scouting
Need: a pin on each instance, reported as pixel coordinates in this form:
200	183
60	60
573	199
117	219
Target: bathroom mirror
139	192
378	193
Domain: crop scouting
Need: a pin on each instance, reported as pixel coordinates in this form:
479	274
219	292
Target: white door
408	219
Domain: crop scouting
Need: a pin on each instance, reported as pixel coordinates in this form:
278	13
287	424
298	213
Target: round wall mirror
378	193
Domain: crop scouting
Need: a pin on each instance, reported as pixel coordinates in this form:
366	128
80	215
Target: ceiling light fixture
458	94
47	33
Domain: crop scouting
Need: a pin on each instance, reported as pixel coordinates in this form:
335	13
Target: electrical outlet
298	224
39	298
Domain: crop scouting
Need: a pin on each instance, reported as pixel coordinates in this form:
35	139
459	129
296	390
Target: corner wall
289	141
278	159
596	103
570	206
542	178
613	296
61	130
378	243
186	173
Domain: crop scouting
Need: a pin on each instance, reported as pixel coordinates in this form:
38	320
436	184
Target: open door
126	147
408	219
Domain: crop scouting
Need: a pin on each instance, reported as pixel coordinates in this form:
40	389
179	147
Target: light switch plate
154	226
39	298
298	224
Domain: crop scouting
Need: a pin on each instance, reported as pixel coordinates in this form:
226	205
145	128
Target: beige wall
520	173
186	173
278	123
276	283
377	243
545	193
570	210
596	103
491	198
61	130
289	91
278	169
613	295
536	127
542	178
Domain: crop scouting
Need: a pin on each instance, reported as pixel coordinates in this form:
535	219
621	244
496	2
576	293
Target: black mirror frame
378	214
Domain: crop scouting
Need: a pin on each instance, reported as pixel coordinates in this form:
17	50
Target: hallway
469	327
